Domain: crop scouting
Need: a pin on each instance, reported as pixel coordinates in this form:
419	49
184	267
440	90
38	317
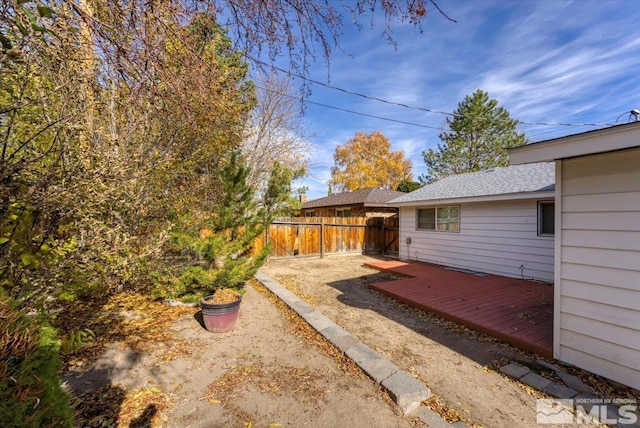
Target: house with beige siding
498	221
597	248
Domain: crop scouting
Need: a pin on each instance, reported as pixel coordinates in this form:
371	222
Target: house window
427	219
546	218
440	219
309	214
343	212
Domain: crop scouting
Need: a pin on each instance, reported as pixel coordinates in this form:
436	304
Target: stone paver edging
404	389
534	380
577	390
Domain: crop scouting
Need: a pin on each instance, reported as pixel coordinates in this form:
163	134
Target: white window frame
344	209
436	223
541	218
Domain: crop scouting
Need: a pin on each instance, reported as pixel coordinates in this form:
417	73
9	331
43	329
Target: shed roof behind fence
372	197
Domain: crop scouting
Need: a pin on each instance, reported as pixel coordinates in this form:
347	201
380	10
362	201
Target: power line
346	91
563	124
376	117
553	133
422	125
382	100
351	111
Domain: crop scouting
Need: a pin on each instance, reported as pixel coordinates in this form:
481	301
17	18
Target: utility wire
428	110
553	133
376	117
350	111
346	91
563	124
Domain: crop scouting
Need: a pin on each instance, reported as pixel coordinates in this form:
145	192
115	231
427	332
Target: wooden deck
516	311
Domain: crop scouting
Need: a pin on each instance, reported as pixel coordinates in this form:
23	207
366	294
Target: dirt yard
454	362
458	364
271	370
155	365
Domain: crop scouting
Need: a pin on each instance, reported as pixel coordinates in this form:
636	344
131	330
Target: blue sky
544	61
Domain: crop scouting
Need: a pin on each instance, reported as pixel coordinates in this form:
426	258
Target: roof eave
485	198
592	142
334	205
377	204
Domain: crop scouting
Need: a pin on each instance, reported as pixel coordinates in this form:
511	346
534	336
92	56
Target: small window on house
546	218
308	214
440	219
344	212
448	219
427	219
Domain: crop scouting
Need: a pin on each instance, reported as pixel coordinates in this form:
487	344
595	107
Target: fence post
384	237
365	247
322	237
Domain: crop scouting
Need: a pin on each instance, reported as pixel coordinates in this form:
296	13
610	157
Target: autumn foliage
365	161
117	120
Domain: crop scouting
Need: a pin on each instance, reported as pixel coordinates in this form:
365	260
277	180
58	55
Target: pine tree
477	138
237	222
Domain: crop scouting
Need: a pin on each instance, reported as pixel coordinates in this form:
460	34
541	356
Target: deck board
517	311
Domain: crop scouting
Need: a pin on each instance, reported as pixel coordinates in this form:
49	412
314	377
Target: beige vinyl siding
599	295
494	237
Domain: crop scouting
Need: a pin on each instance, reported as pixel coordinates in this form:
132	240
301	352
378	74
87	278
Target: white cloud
540	76
545	61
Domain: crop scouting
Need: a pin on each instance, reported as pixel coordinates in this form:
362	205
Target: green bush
30	391
215	249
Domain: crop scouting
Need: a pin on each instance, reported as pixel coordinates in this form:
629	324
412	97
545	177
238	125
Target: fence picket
313	236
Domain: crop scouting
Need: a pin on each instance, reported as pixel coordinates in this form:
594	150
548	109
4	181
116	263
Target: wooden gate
318	236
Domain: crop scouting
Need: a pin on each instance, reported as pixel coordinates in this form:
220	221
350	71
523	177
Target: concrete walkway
407	392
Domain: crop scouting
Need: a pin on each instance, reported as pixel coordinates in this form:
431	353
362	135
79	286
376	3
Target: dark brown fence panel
391	237
373	240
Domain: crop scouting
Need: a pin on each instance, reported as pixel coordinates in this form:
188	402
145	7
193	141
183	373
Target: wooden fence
319	236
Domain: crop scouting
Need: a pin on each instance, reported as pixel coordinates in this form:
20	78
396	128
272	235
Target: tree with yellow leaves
366	161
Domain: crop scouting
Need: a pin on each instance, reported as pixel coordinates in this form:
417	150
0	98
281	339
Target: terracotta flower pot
219	317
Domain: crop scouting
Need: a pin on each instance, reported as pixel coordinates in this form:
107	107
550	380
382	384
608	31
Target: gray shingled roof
536	177
368	197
